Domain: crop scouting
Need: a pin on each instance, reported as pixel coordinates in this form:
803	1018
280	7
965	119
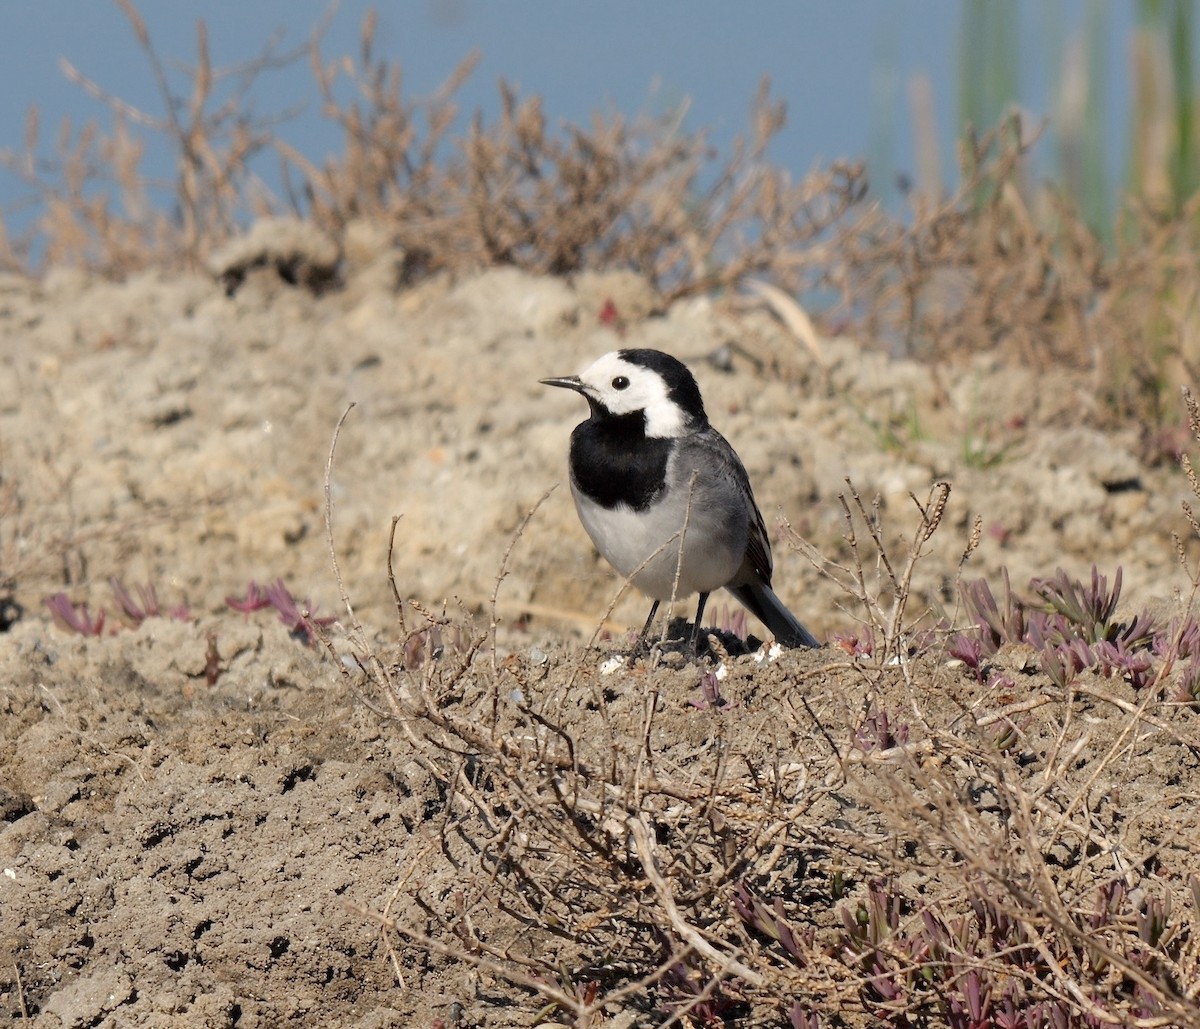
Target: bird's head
626	382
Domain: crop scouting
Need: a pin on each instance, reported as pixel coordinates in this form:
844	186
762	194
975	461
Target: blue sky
844	67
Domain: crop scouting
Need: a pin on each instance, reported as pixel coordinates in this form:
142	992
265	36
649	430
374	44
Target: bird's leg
641	646
696	628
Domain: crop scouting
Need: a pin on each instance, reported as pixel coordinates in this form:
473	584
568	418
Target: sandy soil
190	839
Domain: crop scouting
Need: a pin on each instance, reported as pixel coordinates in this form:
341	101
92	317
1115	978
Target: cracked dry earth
200	818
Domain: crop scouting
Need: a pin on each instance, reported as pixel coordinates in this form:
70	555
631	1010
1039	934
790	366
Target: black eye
620	382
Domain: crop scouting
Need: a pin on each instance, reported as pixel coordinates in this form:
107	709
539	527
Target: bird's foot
684	643
676	645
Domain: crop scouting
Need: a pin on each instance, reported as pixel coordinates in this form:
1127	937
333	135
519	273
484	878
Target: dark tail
761	602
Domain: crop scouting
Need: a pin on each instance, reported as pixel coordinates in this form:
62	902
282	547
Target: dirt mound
205	820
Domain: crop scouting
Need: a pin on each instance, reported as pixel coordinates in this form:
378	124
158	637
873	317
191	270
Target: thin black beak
565	381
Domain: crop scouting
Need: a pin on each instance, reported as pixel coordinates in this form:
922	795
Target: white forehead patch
646	392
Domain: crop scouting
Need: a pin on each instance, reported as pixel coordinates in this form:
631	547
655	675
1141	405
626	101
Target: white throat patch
664	418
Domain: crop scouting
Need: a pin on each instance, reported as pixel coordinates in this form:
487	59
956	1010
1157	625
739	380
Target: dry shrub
998	265
40	549
99	207
879	589
788	859
642	196
1009	268
976	270
616	194
814	843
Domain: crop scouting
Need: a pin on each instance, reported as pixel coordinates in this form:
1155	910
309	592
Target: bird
648	470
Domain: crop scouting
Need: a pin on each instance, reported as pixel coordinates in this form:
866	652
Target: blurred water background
1109	84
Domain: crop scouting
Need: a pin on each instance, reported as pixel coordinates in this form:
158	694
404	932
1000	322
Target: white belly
713	546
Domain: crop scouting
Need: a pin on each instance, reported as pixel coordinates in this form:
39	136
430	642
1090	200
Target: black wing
713	452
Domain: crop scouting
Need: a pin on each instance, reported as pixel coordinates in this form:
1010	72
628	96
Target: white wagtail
647	469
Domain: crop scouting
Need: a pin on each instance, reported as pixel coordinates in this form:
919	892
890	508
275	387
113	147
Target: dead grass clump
879	587
787	861
644	196
99	207
978	270
614	195
1010	268
856	843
